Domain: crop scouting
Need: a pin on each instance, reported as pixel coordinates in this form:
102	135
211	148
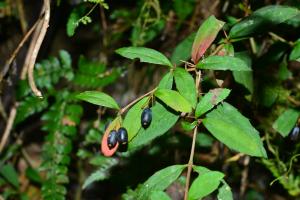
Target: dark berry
112	139
294	134
122	136
146	117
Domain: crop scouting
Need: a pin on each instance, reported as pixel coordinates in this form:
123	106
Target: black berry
146	117
122	136
112	139
294	134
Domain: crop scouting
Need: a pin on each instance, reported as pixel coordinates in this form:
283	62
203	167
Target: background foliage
248	53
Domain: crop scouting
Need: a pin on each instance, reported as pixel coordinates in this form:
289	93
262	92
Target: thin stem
190	165
217	50
136	100
9	125
14	54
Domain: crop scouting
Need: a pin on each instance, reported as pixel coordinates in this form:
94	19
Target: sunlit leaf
185	84
229	126
223	63
145	55
205	184
167	81
160	180
210	99
98	98
174	100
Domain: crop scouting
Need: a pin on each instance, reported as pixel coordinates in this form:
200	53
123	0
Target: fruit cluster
120	136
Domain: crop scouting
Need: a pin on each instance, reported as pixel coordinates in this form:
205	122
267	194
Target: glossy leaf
132	121
9	173
225	192
183	50
229	126
206	34
263	19
205	184
145	55
245	78
160	180
185	84
210	99
286	121
155	195
167	81
98	98
223	63
162	120
174	100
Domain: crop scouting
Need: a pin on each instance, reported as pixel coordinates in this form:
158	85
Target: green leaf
166	82
205	184
262	19
183	50
73	20
160	180
185	84
33	175
206	34
9	173
162	121
295	54
229	126
174	100
286	121
225	192
244	77
223	63
145	55
210	99
155	195
187	126
98	98
132	121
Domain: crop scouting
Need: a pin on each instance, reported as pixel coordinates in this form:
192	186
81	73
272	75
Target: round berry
112	139
146	117
122	136
294	134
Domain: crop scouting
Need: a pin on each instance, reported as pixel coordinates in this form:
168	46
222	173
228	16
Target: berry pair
115	137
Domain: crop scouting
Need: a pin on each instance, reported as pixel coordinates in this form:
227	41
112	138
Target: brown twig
190	165
136	100
31	47
16	51
41	36
10	122
244	176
